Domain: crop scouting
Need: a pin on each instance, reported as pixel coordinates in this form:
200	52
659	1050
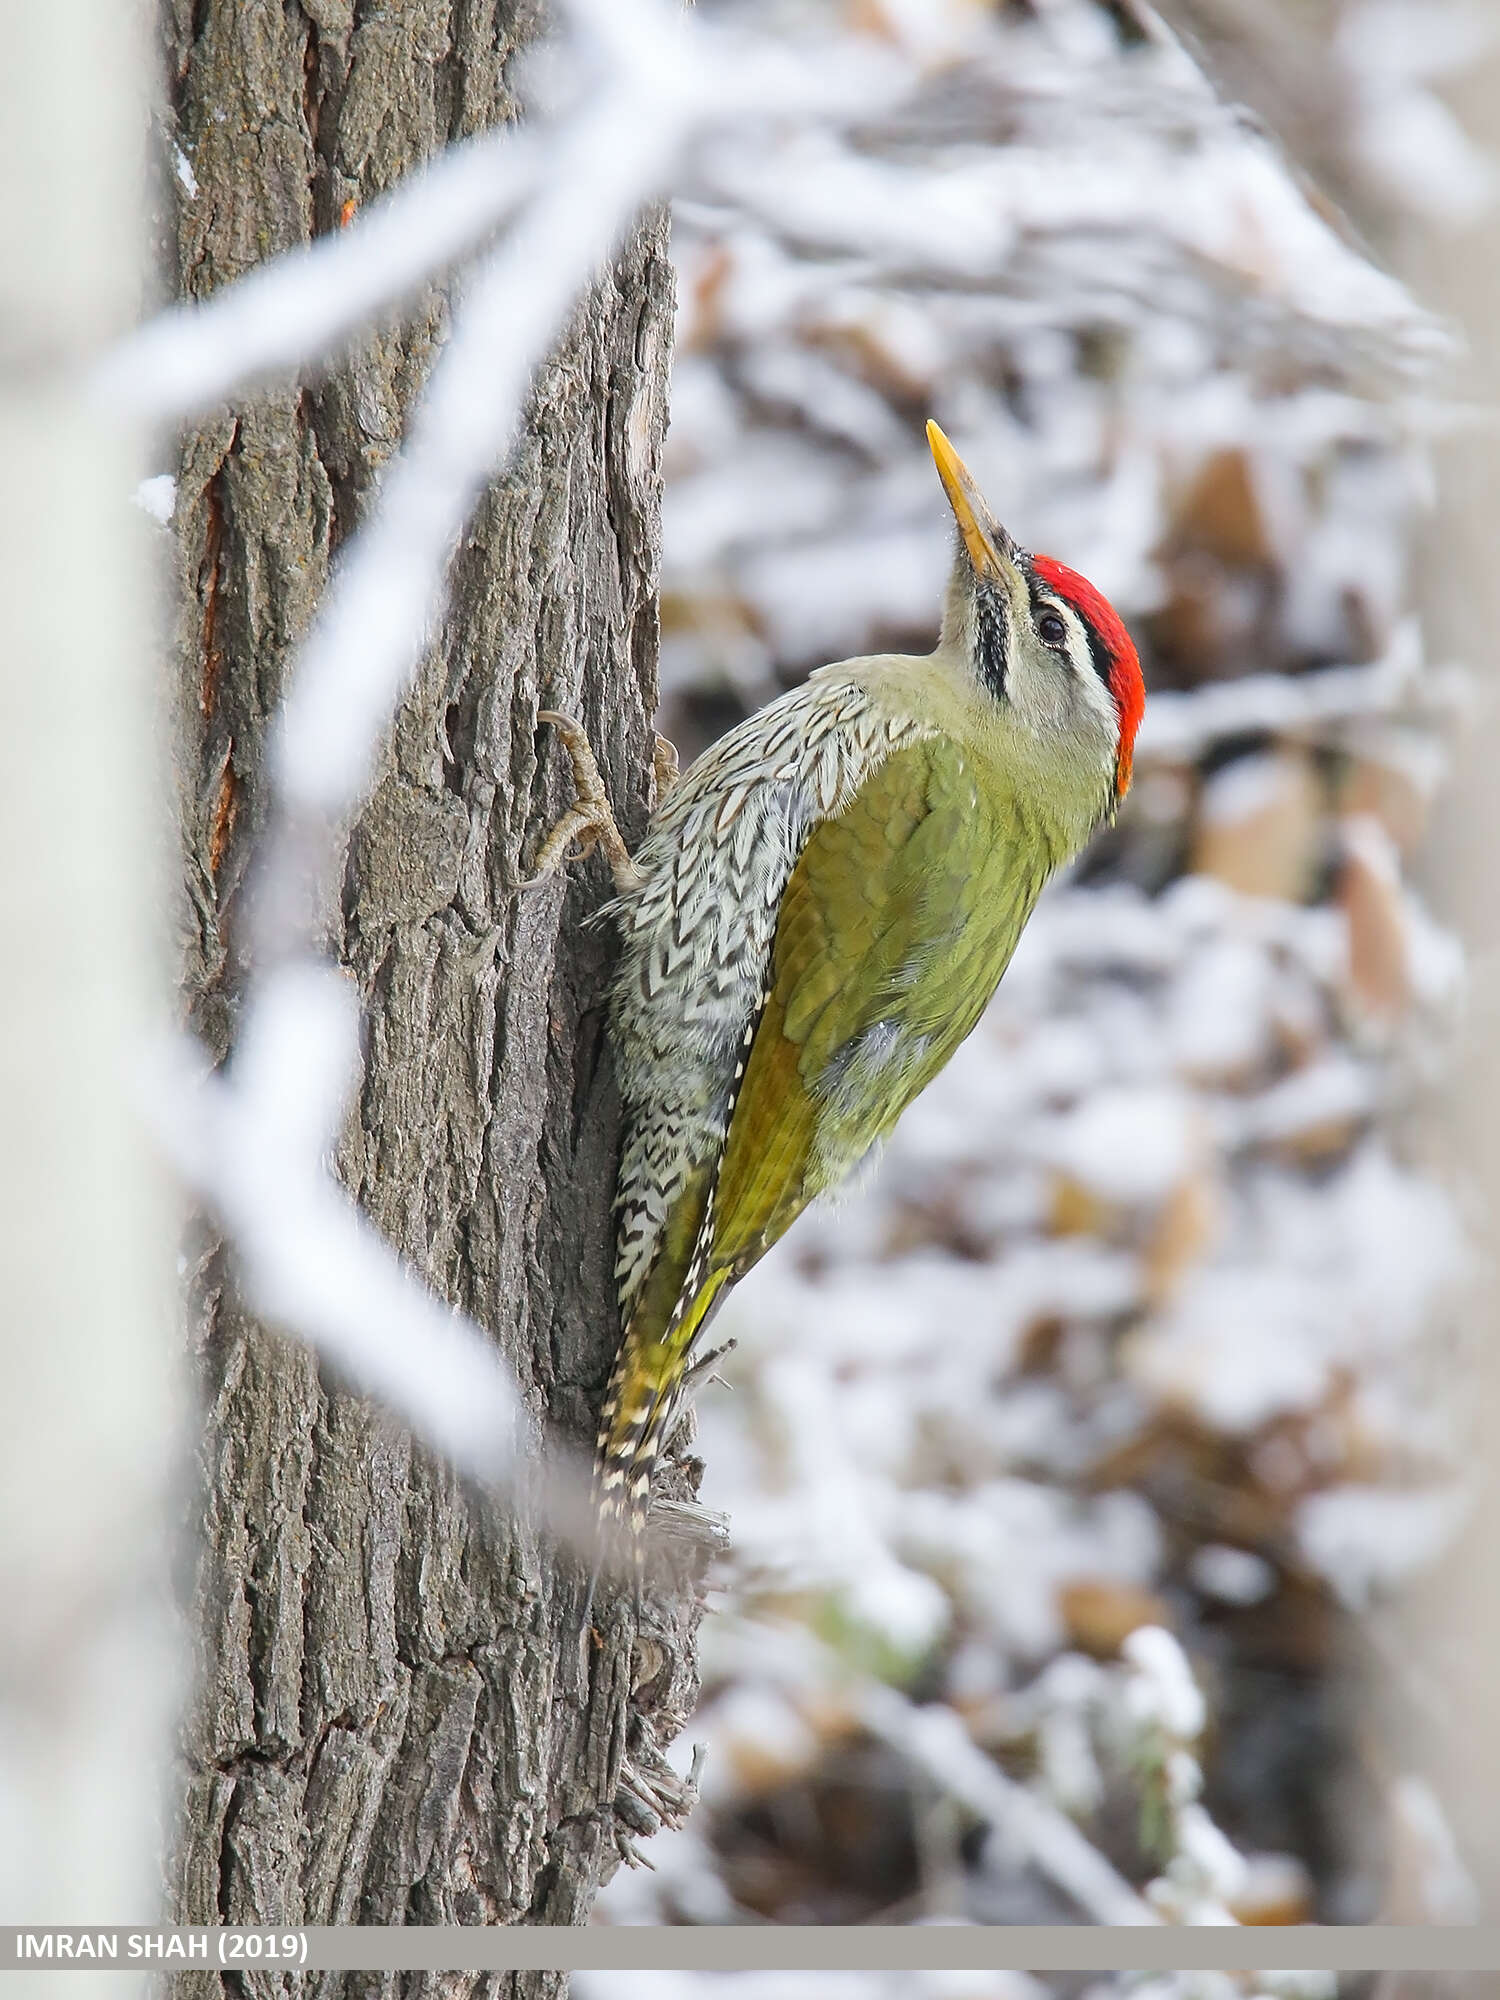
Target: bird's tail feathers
639	1407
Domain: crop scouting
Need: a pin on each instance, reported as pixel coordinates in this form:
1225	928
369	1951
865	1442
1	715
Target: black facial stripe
1099	653
991	632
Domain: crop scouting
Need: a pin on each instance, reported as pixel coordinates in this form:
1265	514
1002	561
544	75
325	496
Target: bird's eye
1051	630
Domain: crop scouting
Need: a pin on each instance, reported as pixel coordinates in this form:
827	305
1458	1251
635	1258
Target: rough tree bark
392	1723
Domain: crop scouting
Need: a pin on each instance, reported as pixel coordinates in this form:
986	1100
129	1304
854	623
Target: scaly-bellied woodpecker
819	913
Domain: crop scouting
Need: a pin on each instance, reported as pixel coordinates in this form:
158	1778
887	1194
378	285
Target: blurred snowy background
1071	1464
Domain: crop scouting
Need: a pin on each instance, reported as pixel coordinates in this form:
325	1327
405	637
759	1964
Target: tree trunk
394	1722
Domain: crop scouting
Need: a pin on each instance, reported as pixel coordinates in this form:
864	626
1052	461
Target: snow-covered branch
1183	724
934	1739
254	1145
294	312
367	639
255	1141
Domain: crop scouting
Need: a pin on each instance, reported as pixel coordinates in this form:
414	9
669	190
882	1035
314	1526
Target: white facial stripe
1080	654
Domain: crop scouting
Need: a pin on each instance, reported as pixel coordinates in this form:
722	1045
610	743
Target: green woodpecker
819	914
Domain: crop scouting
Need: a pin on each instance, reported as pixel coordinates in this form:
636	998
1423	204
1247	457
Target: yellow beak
983	537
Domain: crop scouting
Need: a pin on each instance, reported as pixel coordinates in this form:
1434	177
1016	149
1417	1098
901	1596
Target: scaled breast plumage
697	932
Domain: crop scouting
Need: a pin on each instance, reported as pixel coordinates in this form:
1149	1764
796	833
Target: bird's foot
589	820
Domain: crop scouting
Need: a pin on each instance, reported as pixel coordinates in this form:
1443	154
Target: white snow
187	179
1365	1539
158	496
1235	1576
1163	1691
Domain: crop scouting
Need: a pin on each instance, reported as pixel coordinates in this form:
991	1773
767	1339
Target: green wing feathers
894	929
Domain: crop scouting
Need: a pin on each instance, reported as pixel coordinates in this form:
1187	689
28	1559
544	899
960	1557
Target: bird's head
1039	639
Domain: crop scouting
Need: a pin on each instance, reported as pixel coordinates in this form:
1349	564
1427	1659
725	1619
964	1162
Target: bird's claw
589	820
664	771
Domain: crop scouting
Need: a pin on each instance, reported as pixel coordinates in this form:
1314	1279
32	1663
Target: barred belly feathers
819	914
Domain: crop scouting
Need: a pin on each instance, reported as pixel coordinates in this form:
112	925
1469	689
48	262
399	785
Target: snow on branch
935	1740
255	1141
255	1144
367	639
296	311
1186	723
